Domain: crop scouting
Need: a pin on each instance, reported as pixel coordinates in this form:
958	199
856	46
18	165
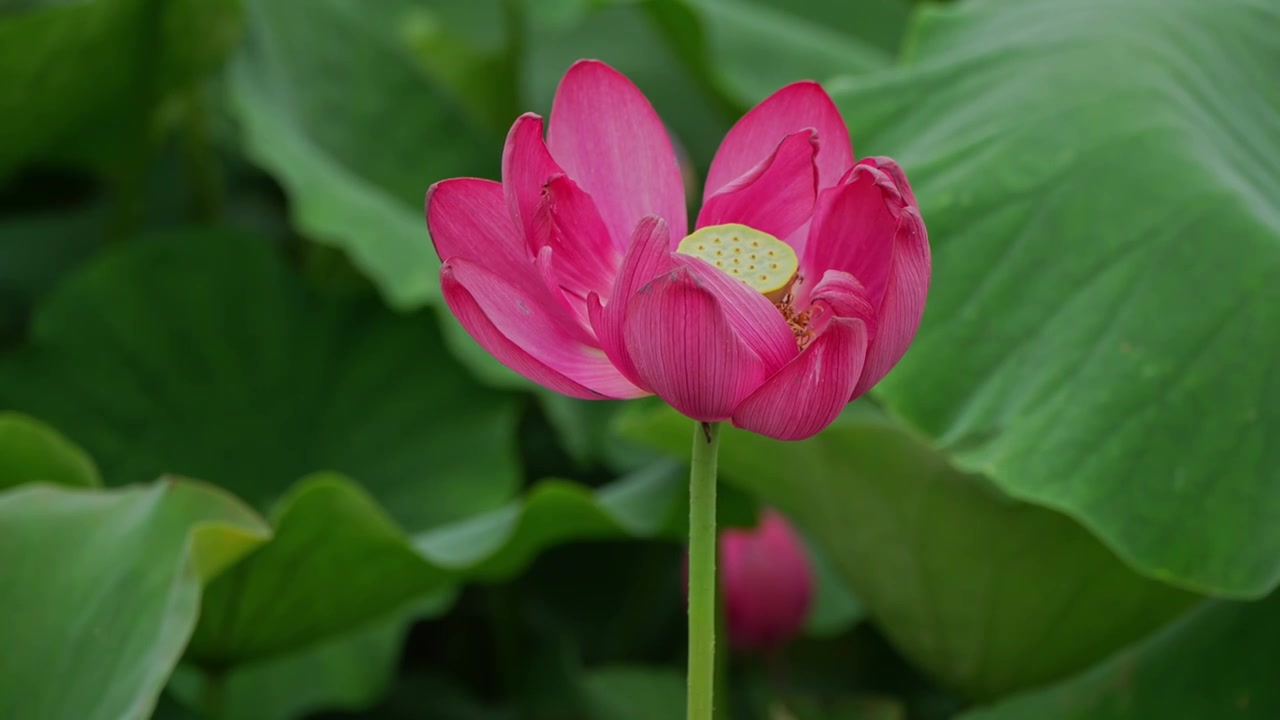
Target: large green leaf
986	593
746	49
623	35
834	608
584	429
855	708
339	104
31	451
633	693
101	590
734	53
36	250
472	49
101	69
1219	662
349	672
647	503
876	24
333	541
201	354
1100	183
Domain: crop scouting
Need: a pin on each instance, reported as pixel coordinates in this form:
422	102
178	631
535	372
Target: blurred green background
250	468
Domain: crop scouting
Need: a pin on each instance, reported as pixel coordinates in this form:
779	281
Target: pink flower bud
767	583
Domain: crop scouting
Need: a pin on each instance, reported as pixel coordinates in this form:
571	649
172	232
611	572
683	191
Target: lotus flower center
759	260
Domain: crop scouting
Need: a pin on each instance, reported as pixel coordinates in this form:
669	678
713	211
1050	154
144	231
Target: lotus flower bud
766	582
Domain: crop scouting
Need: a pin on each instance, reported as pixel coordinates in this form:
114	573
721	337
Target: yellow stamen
798	321
759	260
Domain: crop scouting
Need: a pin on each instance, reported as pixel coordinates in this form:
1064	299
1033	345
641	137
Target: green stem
722	711
702	571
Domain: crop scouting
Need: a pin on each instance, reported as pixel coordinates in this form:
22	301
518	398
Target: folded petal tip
799	105
521	123
592	65
426	200
607	136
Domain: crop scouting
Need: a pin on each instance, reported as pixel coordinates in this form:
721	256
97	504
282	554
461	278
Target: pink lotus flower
767	583
802	285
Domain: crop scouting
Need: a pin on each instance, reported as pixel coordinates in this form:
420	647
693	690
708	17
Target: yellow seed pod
761	261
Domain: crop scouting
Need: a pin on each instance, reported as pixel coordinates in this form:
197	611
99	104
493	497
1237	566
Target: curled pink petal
902	307
839	294
807	394
899	274
893	170
608	138
522	318
648	255
767	582
468	218
570	310
567	221
853	228
776	196
686	350
527	165
754	318
789	110
552	210
488	336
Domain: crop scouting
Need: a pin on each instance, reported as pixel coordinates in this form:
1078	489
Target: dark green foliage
251	468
